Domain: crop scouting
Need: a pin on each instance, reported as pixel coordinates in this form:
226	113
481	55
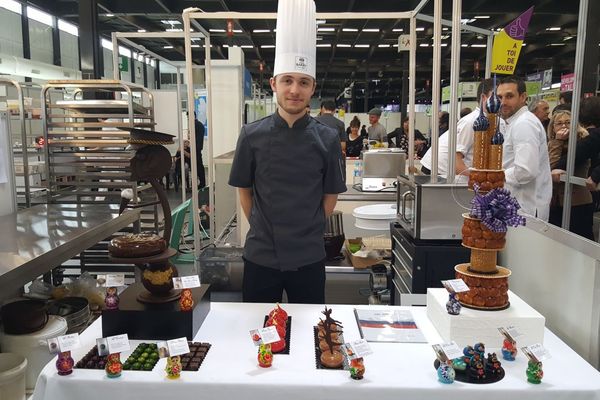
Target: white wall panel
40	39
11	37
108	63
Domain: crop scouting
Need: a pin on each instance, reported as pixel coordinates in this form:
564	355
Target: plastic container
222	268
34	348
375	217
12	376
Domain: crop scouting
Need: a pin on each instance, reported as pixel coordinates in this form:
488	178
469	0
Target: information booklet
388	326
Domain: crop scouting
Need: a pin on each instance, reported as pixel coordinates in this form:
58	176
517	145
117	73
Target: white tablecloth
395	370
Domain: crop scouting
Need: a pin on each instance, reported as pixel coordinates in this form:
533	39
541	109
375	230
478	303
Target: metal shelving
87	155
22	101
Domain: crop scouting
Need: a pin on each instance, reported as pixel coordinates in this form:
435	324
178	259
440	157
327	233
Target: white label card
178	346
455	286
118	343
111	280
186	282
358	349
448	350
510	332
536	352
265	335
69	342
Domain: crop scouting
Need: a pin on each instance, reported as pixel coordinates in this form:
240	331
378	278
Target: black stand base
155	321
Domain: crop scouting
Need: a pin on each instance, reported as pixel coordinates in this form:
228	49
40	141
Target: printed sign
536	352
447	351
118	343
186	282
510	332
110	280
63	343
508	43
566	82
357	349
178	347
265	335
455	286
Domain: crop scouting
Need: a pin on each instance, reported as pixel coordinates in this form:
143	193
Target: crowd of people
535	148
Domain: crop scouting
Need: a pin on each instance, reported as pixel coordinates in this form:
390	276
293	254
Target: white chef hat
296	40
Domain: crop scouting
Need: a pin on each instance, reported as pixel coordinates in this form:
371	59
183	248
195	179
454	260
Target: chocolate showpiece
493	102
474	367
498	137
328	339
481	123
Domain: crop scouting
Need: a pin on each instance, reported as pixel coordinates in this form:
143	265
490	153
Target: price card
455	286
264	335
186	282
118	343
178	346
68	342
510	333
357	349
447	351
536	352
110	280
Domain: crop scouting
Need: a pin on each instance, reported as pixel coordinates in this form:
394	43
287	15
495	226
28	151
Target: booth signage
566	82
508	43
123	64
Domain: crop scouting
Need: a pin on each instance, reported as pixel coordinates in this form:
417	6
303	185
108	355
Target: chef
288	171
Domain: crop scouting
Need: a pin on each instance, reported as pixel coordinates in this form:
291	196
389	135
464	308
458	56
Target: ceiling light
371	30
478	45
467	20
173	30
267	46
324	45
362	45
394	45
326	29
556	44
349	30
167	47
481	17
464	45
444	37
261	31
424	45
397	30
567	38
444	28
420	29
553	28
217	30
444	44
321	21
170	22
238	31
195	45
141	30
343	45
524	44
247	46
109	15
383	45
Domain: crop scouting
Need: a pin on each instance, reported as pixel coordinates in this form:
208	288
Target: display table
395	371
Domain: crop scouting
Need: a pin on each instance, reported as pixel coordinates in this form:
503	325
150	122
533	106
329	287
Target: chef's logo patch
301	63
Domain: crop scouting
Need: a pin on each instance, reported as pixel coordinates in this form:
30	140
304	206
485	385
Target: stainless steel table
37	239
353	194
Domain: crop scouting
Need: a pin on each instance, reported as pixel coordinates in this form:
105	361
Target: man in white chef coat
525	158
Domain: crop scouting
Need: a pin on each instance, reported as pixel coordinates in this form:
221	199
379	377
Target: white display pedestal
473	326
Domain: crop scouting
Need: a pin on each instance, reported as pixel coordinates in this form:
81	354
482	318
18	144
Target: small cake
137	245
332	359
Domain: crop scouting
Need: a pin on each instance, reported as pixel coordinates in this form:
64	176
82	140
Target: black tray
463	376
288	330
318	352
187	359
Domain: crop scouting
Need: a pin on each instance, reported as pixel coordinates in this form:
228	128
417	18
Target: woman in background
582	208
354	144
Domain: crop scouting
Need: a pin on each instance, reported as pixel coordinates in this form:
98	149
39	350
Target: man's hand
556	173
590	184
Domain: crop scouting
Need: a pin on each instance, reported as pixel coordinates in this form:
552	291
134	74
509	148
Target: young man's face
511	100
293	91
373	119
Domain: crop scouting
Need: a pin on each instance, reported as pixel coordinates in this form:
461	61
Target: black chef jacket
289	170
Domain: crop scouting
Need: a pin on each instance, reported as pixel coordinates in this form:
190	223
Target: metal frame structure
126	37
190	15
